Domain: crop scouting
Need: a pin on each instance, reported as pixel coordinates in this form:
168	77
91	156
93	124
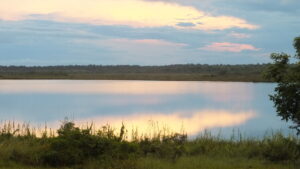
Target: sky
146	32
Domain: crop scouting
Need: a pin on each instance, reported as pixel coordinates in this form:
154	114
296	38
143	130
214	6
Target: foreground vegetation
188	72
88	148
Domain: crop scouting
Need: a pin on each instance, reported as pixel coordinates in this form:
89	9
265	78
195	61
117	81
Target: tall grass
22	146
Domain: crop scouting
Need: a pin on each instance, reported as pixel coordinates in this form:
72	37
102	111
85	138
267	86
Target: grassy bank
73	147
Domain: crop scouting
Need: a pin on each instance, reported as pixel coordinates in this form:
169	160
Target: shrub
280	148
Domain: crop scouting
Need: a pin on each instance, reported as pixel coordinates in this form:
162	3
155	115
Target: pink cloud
229	47
125	41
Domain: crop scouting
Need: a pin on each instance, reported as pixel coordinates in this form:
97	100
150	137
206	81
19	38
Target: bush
75	146
72	146
170	147
280	148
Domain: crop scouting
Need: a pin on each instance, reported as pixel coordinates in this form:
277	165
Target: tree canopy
287	92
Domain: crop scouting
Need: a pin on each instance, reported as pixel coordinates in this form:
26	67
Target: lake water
189	106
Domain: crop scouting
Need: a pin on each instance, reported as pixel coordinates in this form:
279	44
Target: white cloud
135	13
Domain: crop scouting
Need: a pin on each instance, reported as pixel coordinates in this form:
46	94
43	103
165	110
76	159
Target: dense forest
193	72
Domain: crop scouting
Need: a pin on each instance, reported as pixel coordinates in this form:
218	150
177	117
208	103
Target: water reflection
195	122
215	90
192	106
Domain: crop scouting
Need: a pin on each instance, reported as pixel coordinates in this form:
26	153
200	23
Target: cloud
134	13
229	47
134	46
186	24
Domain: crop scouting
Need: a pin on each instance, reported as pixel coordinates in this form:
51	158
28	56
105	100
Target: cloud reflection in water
163	105
220	92
148	123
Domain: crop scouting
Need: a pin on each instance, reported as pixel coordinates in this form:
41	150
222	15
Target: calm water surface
189	106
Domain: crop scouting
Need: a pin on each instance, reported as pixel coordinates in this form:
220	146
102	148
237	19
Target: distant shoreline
150	77
189	72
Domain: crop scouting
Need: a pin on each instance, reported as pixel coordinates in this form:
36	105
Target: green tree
287	92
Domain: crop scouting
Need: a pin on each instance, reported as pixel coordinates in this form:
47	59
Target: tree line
179	68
